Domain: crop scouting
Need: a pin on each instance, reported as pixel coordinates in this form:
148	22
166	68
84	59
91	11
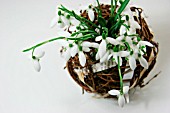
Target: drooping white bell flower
121	97
116	55
103	45
89	10
138	54
67	48
80	49
36	60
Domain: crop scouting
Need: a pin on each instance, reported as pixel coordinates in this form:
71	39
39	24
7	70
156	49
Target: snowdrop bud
91	14
37	66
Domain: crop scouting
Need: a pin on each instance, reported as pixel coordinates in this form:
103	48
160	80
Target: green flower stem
85	37
42	43
120	75
86	31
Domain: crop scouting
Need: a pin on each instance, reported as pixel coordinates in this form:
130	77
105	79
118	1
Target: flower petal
104	58
111	55
129	40
54	22
86	49
95	45
132	62
97	56
125	89
91	14
112	41
74	50
128	75
121	100
102	48
40	54
114	92
143	62
145	43
120	38
124	53
75	22
122	30
65	20
98	38
135	25
67	55
82	58
127	97
86	44
120	61
37	65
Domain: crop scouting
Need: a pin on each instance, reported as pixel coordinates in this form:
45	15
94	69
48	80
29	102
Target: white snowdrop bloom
67	48
57	21
80	49
121	97
89	10
120	54
105	57
137	53
36	60
103	45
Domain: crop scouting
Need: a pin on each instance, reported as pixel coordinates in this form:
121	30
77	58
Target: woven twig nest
107	77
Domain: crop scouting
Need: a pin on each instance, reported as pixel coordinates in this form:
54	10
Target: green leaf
121	8
102	21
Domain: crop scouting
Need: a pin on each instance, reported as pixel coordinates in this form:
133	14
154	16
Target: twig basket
108	78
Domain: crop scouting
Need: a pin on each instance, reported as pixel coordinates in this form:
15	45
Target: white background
22	90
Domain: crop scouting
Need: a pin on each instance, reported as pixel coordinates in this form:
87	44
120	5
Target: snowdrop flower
67	48
57	20
80	49
36	60
137	53
119	55
63	20
121	97
103	45
90	12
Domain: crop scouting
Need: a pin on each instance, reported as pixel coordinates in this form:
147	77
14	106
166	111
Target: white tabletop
23	90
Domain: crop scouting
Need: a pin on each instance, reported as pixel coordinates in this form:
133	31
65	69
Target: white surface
22	90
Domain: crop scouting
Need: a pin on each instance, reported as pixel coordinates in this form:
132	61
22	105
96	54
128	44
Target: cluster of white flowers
127	44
